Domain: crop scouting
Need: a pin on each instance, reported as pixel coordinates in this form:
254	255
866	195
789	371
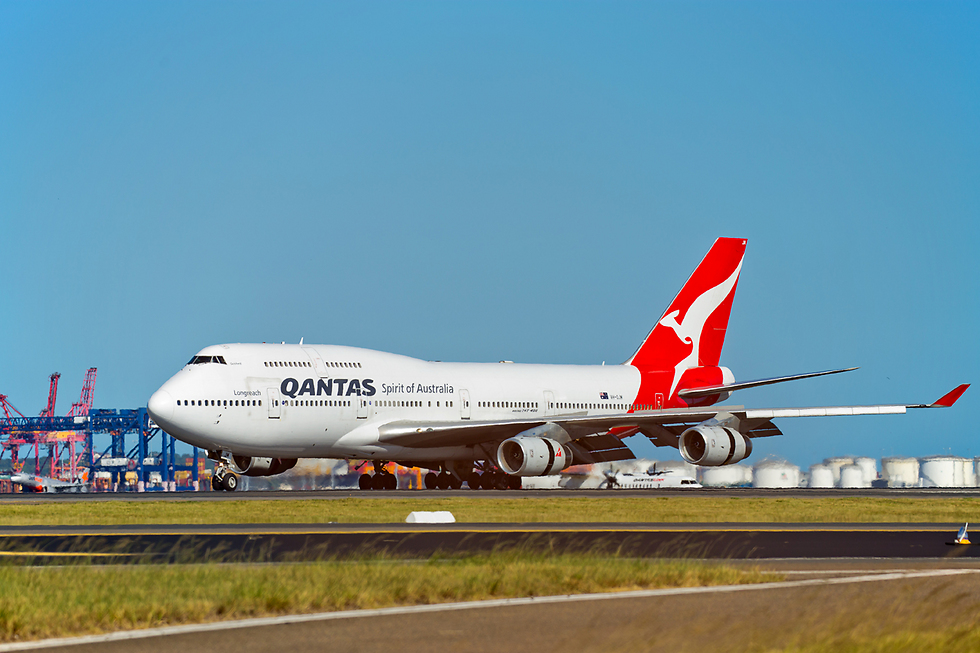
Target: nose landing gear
224	479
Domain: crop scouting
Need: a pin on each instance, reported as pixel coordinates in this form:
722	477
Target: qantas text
329	387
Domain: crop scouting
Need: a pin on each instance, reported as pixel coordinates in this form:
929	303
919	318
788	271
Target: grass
959	639
476	510
43	602
941	616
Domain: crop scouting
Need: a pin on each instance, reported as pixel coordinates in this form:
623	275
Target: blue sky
486	181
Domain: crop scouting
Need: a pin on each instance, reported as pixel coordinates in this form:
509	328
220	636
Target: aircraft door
660	401
272	395
318	365
464	404
549	402
362	407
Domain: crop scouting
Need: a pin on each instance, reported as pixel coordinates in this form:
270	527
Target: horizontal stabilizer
731	387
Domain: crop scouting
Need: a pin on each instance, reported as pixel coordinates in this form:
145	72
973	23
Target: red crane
52	396
7	407
57	442
88	396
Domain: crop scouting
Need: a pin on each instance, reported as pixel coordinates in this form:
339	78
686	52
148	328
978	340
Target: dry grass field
487	510
43	602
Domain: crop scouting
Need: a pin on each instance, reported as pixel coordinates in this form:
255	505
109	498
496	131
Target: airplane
34	483
652	479
257	408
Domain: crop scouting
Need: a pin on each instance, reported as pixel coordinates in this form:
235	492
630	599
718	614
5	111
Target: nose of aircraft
161	406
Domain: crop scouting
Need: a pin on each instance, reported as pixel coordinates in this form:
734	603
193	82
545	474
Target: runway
303	542
350	493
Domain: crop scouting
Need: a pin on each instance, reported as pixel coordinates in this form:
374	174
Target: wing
742	385
592	433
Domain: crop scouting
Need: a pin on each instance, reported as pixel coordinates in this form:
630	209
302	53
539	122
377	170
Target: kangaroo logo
689	330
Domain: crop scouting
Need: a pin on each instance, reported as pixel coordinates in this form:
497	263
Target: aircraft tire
378	482
514	483
442	481
486	481
216	484
500	481
473	481
230	482
454	483
364	482
391	482
430	481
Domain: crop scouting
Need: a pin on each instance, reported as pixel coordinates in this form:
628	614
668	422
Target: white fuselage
319	401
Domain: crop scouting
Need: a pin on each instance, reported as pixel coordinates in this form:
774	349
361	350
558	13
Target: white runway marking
865	577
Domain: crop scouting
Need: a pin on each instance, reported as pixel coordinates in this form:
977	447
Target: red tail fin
692	330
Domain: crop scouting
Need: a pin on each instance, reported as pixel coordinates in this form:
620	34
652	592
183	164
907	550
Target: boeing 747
258	408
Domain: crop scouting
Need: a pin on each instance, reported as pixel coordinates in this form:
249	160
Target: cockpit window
198	360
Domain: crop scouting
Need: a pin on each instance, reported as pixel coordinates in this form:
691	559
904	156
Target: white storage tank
821	476
869	467
726	476
940	471
835	464
773	474
969	473
900	472
853	476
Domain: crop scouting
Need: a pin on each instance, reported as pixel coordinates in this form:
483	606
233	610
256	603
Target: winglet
950	397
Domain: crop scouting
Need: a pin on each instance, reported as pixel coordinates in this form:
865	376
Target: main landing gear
442	481
475	480
224	479
382	480
493	480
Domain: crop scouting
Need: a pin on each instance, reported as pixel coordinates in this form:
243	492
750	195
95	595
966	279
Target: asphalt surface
299	542
346	493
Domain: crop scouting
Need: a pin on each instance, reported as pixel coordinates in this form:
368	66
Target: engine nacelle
522	456
713	446
263	466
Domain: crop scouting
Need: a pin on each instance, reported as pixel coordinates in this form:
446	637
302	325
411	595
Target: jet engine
713	446
263	466
522	456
